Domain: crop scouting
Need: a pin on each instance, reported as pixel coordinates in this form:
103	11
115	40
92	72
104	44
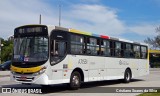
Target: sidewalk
154	69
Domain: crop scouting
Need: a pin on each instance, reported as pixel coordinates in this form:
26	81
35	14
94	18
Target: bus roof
97	35
87	33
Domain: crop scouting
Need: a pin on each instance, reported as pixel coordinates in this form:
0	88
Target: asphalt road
103	88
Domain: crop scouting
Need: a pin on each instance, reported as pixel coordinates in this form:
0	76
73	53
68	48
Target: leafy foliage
6	50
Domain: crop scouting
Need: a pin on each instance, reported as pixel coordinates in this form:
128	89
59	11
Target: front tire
75	80
127	76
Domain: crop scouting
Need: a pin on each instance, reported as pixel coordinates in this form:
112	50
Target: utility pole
40	19
59	13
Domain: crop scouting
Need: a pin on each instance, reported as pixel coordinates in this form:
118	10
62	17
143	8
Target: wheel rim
75	80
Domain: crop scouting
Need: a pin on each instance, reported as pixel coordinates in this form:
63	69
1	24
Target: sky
128	19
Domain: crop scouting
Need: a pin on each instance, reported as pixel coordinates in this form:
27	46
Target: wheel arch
128	68
81	73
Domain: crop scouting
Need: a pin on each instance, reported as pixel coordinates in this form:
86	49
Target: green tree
6	50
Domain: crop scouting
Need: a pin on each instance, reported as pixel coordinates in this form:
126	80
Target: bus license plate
23	78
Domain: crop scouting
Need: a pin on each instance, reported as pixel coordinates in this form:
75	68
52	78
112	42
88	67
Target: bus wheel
127	76
75	80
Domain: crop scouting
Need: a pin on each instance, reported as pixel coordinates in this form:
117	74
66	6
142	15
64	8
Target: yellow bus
154	58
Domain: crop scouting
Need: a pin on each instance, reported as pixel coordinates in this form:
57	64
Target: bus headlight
43	69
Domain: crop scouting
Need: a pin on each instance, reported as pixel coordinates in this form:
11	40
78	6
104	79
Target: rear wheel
75	80
127	76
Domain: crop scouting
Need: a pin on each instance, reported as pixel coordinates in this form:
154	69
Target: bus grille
25	79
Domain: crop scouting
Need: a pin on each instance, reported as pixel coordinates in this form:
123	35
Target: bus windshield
30	49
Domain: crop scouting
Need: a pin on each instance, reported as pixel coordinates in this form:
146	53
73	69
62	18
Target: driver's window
60	48
58	51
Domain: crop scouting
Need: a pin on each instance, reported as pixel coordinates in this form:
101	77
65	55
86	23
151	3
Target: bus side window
136	50
77	44
92	46
52	48
128	51
132	52
143	52
105	48
112	45
118	49
58	50
98	47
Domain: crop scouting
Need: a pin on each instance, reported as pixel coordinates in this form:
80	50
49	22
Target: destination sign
30	30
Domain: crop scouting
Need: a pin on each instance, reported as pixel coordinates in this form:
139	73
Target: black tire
127	76
75	80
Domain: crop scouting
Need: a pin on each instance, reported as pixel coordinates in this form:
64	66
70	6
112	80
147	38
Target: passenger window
136	50
128	51
112	46
118	49
77	44
92	46
105	48
143	52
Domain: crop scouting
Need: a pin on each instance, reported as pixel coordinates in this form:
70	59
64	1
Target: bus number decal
82	61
